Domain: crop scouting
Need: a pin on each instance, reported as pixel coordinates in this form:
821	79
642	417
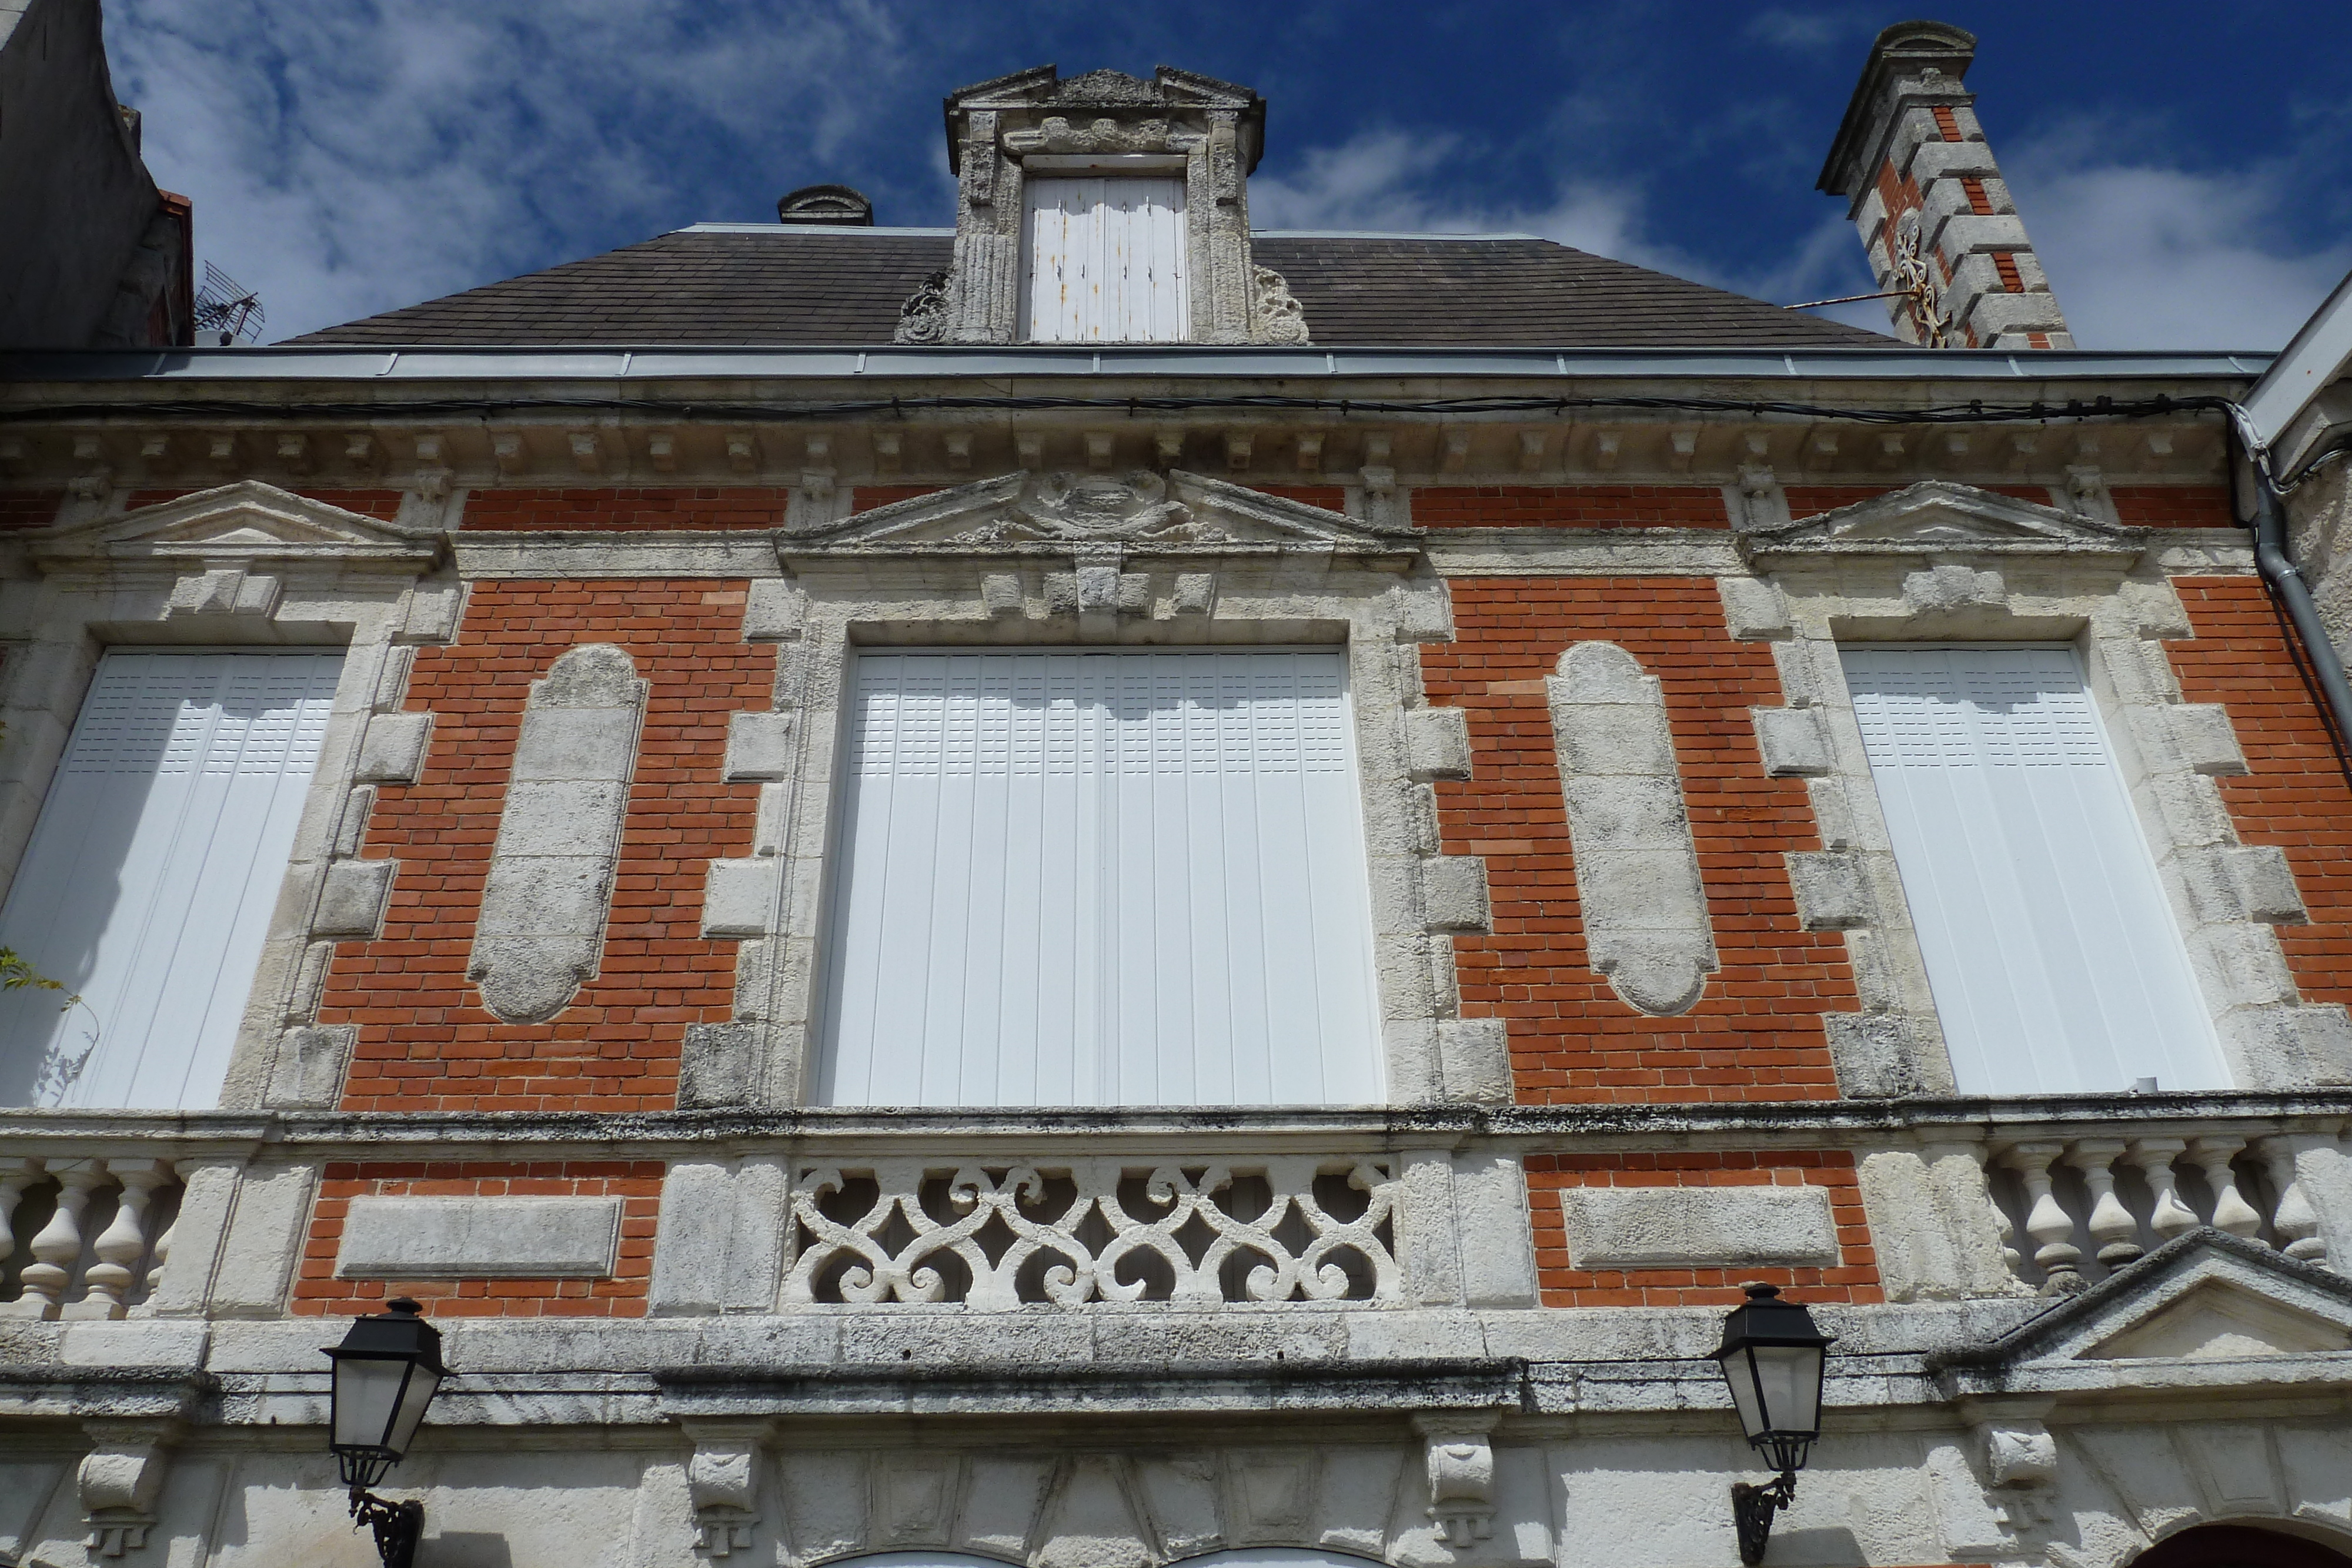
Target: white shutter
2056	963
1100	879
151	873
1106	261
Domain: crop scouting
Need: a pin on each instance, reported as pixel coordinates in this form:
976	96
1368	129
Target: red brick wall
638	1184
1560	1285
2297	796
425	1042
29	508
629	510
1812	500
1570	506
383	504
1755	1034
2174	506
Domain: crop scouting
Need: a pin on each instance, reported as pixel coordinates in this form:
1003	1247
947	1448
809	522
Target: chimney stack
1934	216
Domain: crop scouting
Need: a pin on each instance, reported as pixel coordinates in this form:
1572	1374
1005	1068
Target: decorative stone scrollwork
923	319
1460	1456
1275	315
1101	135
1301	1227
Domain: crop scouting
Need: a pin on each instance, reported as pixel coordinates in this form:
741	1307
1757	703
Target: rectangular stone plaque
1661	1227
479	1237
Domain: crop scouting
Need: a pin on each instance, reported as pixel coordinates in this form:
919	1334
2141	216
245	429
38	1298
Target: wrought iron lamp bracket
397	1525
1752	1508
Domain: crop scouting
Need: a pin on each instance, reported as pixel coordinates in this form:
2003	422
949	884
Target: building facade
1107	888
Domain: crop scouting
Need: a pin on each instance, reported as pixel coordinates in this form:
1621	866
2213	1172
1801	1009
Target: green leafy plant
17	974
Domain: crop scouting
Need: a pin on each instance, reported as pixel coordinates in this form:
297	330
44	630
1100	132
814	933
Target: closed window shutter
152	873
1106	261
2055	960
1117	878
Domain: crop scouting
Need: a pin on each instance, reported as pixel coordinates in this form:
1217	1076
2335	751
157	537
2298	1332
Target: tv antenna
227	306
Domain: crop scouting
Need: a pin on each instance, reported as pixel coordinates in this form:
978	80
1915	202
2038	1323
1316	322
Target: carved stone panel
1637	876
541	928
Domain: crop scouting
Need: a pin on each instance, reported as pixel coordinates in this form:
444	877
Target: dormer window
1104	209
1103	255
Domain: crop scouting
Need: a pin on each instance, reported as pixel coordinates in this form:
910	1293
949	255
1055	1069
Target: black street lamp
1771	1358
387	1371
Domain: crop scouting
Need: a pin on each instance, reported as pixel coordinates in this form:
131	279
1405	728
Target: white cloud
2151	257
1803	32
1394	180
351	158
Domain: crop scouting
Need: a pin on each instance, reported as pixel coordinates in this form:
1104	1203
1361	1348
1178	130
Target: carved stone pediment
1937	517
2206	1311
237	525
1066	514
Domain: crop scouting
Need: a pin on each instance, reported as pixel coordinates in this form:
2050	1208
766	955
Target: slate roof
792	286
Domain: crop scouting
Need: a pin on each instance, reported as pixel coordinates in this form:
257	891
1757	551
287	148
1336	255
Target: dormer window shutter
1104	259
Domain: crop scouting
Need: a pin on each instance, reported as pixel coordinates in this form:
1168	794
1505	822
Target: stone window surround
368	592
776	900
2226	896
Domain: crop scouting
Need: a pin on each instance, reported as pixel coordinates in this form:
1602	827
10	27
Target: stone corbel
117	1480
2021	1467
722	1482
1458	1449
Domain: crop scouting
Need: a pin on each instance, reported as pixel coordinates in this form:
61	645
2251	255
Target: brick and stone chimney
1942	235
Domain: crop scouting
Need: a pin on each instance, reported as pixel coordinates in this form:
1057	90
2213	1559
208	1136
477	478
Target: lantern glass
387	1371
1772	1359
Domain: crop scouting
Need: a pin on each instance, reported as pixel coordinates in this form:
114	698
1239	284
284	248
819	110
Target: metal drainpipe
2279	571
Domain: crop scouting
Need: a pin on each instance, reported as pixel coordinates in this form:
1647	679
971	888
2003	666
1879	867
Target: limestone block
265	1238
775	612
1195	593
718	1067
351	897
448	1238
1458	1456
1952	587
716	1243
759	747
1000	594
1437	743
1425	614
1181	1497
393	749
225	591
1453	893
541	931
118	1481
739	897
183	1287
1877	1055
1698	1227
1637	875
1753	609
1794	740
433	612
308	1071
1490	1205
1831	893
2287	1046
2205	738
1475	1055
2241	882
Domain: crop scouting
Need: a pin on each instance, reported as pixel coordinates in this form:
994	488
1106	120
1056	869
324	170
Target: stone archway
2238	1546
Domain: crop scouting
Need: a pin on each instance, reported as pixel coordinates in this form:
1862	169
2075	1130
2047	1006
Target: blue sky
2185	170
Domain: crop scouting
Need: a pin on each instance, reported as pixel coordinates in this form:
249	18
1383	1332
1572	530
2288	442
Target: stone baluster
2296	1223
15	1176
2232	1212
2058	1257
2111	1224
112	1279
57	1247
2169	1217
2004	1226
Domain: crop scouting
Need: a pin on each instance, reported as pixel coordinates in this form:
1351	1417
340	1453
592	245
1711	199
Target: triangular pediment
2209	1309
1137	513
245	522
1937	517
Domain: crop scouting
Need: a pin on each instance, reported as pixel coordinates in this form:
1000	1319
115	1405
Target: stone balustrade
2076	1203
83	1236
1065	1229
